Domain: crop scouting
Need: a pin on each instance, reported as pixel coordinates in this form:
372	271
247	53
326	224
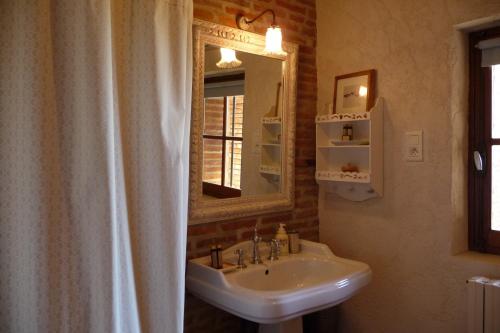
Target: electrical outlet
414	146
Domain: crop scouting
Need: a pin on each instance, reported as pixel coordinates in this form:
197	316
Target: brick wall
297	18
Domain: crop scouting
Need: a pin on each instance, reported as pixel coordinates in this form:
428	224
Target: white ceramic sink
294	285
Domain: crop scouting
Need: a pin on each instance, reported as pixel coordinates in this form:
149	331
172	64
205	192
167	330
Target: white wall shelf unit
365	151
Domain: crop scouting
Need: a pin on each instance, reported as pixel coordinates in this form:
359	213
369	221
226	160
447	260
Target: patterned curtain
94	137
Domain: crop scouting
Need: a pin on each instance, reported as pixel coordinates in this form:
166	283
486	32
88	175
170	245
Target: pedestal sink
281	290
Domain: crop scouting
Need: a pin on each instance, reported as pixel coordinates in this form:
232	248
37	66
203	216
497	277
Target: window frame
215	190
481	237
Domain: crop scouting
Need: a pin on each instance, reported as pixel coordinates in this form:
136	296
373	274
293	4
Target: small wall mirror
243	125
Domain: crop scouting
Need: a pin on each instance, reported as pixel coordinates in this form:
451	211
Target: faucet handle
241	260
277	244
274	245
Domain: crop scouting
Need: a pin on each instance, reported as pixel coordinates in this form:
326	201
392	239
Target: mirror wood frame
202	211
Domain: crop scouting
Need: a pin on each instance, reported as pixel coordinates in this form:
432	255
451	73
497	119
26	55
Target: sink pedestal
289	326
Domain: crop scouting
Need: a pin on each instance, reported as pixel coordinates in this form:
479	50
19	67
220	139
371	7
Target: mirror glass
242	126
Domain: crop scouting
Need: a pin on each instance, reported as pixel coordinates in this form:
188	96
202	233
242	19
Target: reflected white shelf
270	170
271	120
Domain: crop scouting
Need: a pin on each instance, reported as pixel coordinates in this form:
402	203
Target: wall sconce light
273	34
228	59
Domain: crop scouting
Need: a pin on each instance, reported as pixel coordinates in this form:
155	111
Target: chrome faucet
256	254
274	245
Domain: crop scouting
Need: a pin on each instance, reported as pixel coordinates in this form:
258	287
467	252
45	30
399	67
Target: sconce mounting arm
243	23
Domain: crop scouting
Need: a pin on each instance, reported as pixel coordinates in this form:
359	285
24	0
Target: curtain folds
94	136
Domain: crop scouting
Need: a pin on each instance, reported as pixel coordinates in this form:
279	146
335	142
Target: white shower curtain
94	137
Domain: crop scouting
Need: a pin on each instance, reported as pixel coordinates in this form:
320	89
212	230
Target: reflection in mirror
242	127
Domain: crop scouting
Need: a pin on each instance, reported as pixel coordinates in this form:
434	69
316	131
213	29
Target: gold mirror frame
202	211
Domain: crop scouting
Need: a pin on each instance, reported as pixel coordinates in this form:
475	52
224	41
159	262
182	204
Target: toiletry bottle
219	257
213	256
282	236
294	241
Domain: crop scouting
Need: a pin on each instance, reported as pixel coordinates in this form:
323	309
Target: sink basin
280	290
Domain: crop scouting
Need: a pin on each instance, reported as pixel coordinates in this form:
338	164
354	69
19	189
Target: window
484	141
223	136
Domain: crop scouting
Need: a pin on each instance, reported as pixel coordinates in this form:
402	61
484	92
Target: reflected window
223	135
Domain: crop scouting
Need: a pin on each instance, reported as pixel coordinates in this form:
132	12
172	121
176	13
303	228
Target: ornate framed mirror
242	125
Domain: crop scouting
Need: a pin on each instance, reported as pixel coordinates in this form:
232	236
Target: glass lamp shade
273	41
228	59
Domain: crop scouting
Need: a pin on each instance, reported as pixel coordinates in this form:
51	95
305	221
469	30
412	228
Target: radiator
483	305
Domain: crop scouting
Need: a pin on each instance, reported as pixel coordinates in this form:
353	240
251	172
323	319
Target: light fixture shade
273	41
228	59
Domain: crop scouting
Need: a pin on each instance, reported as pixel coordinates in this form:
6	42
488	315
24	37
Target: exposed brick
234	10
223	240
279	218
201	229
306	213
265	233
237	224
203	14
294	8
214	4
297	18
243	3
310	3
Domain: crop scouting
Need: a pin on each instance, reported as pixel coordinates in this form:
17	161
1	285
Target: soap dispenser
282	236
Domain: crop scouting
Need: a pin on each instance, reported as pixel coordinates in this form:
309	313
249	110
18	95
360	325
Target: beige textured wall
411	236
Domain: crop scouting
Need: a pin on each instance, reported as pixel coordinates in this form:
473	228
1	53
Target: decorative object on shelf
273	34
347	132
349	167
355	92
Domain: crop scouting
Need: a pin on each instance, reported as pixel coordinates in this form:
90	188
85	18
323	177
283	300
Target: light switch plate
414	146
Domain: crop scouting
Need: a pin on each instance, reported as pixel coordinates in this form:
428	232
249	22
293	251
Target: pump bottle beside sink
282	236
